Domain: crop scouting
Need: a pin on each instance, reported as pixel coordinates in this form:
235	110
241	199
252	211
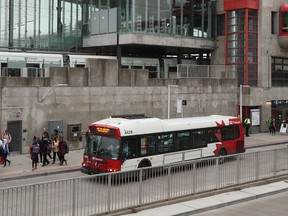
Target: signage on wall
255	117
278	102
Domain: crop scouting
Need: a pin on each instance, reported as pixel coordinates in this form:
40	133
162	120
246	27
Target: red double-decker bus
128	142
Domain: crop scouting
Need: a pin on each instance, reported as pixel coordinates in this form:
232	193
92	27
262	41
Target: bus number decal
128	131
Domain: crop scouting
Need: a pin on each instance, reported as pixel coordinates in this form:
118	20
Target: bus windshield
102	146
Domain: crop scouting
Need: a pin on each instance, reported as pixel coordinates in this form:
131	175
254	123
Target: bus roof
146	125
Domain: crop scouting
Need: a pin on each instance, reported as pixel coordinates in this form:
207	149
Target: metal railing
117	191
206	71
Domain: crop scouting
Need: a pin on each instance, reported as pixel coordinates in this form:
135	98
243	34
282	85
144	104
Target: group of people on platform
5	148
43	146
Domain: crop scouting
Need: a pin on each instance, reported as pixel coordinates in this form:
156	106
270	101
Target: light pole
175	86
47	92
241	100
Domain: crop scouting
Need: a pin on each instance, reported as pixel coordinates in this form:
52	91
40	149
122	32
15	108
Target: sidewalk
21	165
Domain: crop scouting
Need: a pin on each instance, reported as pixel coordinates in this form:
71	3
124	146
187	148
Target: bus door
128	153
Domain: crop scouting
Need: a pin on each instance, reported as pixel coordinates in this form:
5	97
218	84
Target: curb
44	173
217	206
268	144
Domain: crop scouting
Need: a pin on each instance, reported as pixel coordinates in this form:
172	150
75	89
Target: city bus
127	142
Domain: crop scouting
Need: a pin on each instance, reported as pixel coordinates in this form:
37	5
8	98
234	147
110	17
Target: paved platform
21	165
217	201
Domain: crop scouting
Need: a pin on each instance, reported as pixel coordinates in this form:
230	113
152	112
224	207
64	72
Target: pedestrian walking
34	151
44	146
273	127
63	150
55	148
247	123
1	152
269	124
6	135
5	152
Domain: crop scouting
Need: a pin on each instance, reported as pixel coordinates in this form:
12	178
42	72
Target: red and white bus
129	142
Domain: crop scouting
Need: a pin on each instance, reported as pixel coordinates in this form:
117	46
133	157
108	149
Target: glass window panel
252	36
252	44
252	28
240	67
252	58
231	59
221	25
277	83
240	59
278	60
236	44
252	12
252	82
285	61
252	67
241	74
285	21
165	143
236	20
285	76
285	68
236	37
183	141
227	133
285	82
252	51
199	138
236	28
252	75
236	13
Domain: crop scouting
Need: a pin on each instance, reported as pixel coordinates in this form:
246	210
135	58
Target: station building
249	35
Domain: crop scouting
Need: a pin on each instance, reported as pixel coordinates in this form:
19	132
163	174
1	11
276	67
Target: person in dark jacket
34	151
44	146
63	150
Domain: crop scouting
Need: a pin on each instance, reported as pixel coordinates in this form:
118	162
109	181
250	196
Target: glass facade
41	24
242	44
61	25
188	18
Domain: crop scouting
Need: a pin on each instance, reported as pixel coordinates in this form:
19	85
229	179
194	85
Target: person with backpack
34	151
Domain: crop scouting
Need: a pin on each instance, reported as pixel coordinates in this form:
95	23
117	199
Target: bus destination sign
102	130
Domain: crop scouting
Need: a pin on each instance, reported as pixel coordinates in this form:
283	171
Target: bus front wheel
145	172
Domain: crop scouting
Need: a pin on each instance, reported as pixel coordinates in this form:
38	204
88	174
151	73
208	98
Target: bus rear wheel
222	153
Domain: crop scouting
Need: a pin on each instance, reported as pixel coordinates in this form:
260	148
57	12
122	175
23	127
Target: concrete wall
99	92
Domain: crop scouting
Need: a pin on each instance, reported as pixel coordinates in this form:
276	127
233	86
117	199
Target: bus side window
227	133
165	143
148	143
199	139
213	134
237	131
183	141
128	149
151	144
